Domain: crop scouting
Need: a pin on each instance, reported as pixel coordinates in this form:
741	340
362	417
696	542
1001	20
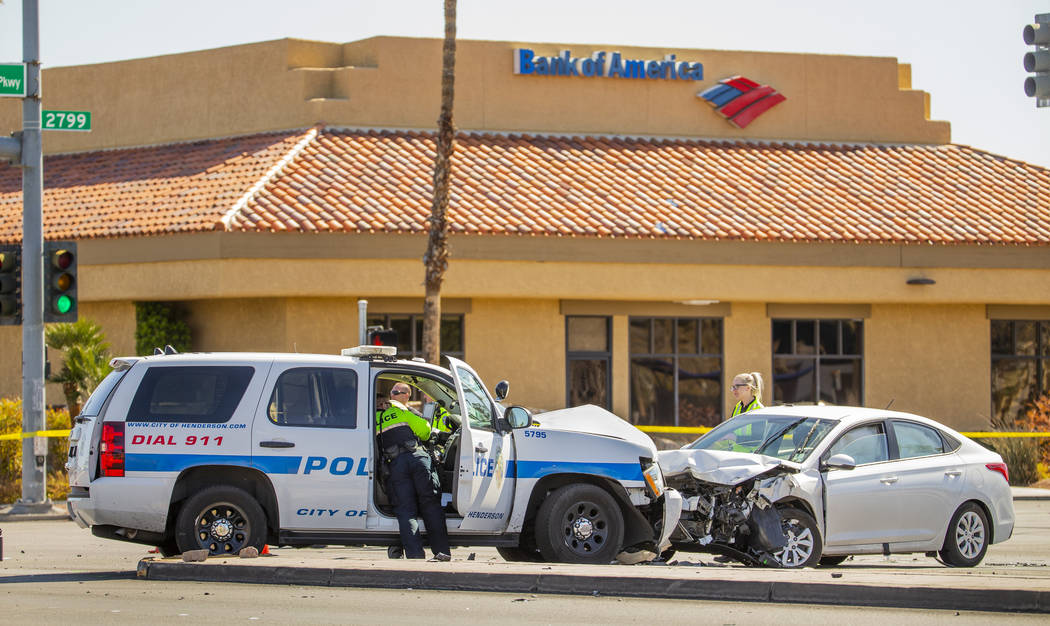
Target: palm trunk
436	258
72	393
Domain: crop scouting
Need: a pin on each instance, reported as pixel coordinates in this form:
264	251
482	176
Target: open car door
484	492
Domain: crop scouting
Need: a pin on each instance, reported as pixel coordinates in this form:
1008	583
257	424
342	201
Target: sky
966	53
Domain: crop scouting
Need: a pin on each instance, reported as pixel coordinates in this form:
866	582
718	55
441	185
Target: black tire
966	541
168	548
579	524
833	561
804	543
515	554
221	520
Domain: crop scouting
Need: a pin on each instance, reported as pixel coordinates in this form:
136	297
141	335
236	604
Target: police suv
225	451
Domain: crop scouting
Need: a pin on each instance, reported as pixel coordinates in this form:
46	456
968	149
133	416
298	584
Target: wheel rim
799	546
585	528
969	535
222	529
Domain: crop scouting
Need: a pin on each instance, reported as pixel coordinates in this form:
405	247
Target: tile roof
379	181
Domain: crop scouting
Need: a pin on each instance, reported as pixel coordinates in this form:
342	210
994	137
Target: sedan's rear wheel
967	537
803	539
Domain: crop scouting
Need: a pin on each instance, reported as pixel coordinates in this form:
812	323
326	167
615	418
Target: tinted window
203	393
917	440
866	444
315	396
98	397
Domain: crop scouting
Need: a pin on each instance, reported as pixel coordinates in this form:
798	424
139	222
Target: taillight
1000	468
111	450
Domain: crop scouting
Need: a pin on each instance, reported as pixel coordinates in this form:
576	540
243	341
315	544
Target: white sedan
801	485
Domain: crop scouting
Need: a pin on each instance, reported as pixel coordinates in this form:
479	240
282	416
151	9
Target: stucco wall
395	82
930	360
521	341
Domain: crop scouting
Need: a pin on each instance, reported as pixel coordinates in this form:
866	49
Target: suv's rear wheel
221	520
579	524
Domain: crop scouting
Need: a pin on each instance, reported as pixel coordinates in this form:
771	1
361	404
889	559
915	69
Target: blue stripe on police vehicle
338	466
539	469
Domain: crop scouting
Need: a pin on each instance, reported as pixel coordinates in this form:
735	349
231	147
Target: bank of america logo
741	100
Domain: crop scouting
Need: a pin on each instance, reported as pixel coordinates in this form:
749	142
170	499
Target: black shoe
395	552
443	557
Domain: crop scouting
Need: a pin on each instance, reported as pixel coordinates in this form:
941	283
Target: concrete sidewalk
905	581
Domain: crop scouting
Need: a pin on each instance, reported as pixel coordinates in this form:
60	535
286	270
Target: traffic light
10	285
382	337
1038	60
60	281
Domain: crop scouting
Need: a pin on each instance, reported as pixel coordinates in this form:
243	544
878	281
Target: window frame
816	357
675	356
315	369
1042	362
417	341
590	355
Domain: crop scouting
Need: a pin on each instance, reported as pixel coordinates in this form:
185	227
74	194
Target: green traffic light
63	304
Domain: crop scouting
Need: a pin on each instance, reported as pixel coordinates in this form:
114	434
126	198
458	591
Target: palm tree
435	260
86	359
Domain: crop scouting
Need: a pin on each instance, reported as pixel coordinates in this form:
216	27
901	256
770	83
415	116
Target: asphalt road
54	572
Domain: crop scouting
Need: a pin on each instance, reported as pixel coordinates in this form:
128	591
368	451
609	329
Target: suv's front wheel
579	524
221	520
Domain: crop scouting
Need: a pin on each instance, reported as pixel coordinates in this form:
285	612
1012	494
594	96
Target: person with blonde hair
747	389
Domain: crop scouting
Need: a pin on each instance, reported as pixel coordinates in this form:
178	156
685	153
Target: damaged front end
728	504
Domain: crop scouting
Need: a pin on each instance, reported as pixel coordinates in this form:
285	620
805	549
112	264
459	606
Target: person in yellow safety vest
441	420
747	389
412	484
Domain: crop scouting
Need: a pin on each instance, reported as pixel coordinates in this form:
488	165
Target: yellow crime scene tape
683	430
699	430
35	433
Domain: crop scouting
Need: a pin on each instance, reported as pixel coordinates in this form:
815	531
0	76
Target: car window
478	409
866	444
785	437
101	393
917	440
315	396
197	393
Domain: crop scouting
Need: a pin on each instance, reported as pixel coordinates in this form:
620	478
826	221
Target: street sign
67	120
13	80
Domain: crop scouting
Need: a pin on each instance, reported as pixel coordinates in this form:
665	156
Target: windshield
780	436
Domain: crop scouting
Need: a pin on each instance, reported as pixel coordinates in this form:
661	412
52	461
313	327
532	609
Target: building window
676	371
588	356
1020	367
818	360
410	333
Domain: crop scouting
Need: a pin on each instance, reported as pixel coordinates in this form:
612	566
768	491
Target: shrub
158	324
11	453
1021	455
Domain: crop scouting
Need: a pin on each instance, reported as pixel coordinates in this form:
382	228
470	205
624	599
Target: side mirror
518	417
502	389
840	461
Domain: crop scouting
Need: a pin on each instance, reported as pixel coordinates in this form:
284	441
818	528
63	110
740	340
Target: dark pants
415	491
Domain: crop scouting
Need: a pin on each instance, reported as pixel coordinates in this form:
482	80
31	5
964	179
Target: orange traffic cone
265	550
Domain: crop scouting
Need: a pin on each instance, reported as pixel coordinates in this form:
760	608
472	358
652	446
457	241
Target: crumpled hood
722	467
593	420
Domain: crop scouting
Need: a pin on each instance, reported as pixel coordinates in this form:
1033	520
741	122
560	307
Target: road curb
958	599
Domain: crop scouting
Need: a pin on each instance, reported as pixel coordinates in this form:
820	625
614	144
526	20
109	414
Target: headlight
655	479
